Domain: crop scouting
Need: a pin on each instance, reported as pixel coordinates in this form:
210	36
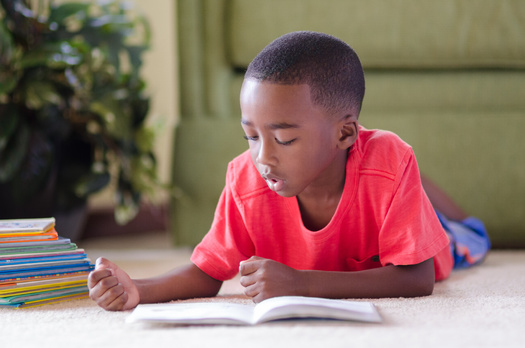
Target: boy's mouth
275	184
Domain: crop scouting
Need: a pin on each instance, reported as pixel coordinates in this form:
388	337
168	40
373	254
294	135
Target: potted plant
72	108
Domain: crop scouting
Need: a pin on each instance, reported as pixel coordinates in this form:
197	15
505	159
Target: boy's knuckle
115	291
121	300
93	278
108	282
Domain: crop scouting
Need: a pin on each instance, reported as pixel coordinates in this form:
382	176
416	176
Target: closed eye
289	142
250	138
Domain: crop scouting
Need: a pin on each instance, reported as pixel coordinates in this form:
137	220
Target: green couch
448	76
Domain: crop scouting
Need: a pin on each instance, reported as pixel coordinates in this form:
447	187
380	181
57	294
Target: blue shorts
469	241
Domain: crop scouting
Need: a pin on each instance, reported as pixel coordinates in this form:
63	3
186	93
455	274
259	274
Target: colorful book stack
37	266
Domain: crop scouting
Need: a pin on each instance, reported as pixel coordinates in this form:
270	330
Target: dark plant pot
40	204
69	224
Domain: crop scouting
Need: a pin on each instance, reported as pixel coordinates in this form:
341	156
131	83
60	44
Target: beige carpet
483	307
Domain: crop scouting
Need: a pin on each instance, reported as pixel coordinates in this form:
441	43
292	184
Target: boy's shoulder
381	150
379	138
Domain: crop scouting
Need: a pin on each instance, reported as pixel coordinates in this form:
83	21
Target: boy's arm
263	278
112	288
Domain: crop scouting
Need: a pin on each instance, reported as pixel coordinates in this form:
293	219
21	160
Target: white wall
160	72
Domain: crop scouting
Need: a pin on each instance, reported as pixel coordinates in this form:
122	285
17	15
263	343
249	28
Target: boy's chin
285	193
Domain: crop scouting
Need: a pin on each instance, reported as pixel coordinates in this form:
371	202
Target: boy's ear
349	130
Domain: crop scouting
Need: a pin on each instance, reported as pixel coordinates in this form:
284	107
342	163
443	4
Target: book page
288	307
194	313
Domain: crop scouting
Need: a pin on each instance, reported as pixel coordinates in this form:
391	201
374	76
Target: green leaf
60	13
127	199
13	155
6	43
92	183
144	173
34	58
7	82
124	213
40	93
127	204
116	121
135	59
8	79
146	29
55	55
145	138
112	22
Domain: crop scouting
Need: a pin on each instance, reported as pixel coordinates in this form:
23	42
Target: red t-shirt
384	217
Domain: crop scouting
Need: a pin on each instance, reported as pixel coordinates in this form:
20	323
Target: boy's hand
112	288
263	279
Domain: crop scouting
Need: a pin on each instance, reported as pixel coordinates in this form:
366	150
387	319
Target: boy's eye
289	142
255	138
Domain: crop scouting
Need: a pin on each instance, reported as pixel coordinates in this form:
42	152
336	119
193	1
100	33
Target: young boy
318	206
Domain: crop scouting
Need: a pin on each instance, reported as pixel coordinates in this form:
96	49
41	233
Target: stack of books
37	266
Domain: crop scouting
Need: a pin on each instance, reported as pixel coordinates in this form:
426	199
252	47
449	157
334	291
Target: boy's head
328	65
300	102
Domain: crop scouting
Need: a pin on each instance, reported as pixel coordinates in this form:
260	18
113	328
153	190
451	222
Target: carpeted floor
483	307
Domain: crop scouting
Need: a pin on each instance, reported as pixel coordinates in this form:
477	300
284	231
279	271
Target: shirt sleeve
411	232
227	243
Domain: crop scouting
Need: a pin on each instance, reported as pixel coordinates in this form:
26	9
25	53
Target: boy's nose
265	154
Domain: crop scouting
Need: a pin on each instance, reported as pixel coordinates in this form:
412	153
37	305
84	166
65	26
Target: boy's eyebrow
280	125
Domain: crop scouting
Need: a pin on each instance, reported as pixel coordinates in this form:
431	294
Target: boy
318	206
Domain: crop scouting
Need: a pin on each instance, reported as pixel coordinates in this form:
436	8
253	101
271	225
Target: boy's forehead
277	103
278	106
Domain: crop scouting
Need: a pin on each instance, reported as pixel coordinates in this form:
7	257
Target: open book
277	308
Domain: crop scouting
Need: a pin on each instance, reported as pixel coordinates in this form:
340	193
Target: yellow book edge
59	299
42	288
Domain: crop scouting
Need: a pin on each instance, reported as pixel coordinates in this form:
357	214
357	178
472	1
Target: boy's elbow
426	288
417	288
423	279
419	279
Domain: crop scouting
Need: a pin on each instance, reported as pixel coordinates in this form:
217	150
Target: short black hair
328	65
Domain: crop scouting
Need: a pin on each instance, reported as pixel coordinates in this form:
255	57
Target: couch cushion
433	90
389	34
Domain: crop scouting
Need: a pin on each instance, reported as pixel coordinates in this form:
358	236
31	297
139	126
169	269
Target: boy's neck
318	202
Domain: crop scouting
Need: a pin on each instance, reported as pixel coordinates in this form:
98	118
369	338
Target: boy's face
293	143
